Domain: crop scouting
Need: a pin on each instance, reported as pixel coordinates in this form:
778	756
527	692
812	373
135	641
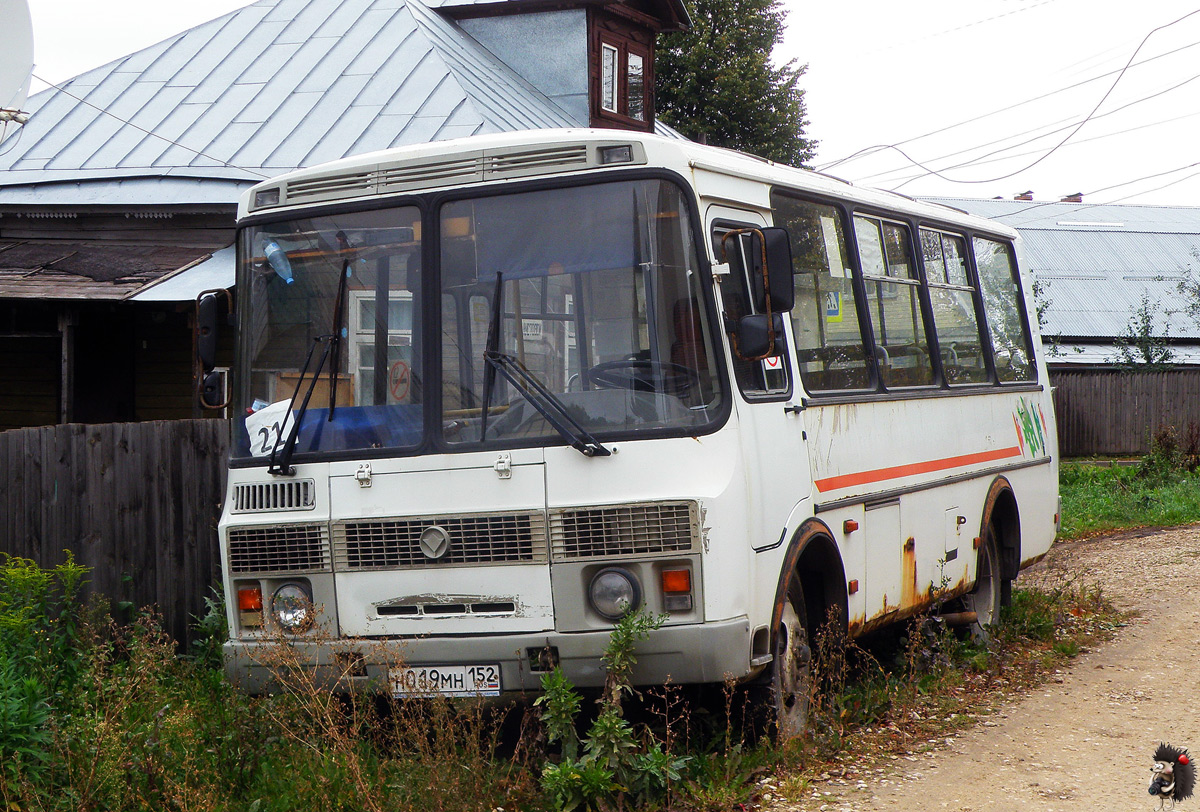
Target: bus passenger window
1005	315
954	299
893	293
829	341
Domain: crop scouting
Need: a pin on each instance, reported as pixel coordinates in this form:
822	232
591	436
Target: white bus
493	394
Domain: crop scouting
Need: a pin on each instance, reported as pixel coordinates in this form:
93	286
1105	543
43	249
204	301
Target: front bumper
694	653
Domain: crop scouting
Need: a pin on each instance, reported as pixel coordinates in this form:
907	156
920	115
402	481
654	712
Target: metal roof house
118	197
1095	263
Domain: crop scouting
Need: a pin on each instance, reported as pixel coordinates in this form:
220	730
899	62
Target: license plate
446	680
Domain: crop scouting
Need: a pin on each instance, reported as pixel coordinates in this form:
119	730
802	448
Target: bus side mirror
778	255
212	390
758	338
207	315
211	381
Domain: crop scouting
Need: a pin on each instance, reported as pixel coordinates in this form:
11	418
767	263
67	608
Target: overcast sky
1017	76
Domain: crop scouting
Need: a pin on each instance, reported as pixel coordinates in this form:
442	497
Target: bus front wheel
791	667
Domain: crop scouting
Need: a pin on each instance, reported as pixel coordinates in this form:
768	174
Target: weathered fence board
136	502
1114	413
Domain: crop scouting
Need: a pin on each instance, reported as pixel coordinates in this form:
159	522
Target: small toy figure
1174	776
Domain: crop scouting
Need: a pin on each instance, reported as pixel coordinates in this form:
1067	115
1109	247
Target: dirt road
1083	741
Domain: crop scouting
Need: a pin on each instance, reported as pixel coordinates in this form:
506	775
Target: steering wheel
644	375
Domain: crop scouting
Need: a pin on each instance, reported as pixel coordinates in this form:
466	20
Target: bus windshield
562	313
592	290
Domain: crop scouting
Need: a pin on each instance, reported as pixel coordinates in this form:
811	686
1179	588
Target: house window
608	78
363	348
623	75
635	94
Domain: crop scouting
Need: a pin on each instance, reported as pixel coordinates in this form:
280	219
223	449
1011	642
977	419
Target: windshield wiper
546	402
281	458
339	315
493	345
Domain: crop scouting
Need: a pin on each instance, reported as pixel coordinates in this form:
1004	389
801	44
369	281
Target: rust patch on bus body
908	569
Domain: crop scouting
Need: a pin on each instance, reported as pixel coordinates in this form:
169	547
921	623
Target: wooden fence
136	502
1112	413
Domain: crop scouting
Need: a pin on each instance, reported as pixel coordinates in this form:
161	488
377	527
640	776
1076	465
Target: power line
1073	143
958	28
980	159
1109	188
1077	128
882	147
151	133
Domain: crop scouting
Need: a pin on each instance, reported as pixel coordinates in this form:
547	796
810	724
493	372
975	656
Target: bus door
770	426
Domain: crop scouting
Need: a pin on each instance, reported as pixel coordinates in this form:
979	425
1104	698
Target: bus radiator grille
279	548
620	531
475	539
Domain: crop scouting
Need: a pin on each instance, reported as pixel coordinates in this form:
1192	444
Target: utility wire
1079	141
958	28
1079	126
881	147
151	133
981	159
1073	143
1035	206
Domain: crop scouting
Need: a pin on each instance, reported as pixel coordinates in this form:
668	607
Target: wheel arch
814	557
1000	510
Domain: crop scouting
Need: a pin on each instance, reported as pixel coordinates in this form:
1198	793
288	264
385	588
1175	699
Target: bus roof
509	156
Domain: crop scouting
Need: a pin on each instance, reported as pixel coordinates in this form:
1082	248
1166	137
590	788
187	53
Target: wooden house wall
29	378
129	360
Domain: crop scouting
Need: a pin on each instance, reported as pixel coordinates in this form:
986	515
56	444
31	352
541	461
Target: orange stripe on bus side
833	483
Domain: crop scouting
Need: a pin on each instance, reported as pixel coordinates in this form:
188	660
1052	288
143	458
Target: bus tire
790	688
986	597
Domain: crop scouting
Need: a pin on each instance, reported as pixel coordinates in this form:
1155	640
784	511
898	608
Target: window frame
972	287
1026	331
849	209
916	280
737	373
621	45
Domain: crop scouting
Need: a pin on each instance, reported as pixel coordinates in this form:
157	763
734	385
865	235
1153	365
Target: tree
1140	348
715	83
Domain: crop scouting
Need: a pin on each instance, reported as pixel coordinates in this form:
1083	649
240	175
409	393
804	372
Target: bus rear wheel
986	597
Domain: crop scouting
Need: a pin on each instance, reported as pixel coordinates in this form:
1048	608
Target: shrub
618	761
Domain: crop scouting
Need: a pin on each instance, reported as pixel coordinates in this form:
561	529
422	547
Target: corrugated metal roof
271	87
1067	354
1094	263
1024	214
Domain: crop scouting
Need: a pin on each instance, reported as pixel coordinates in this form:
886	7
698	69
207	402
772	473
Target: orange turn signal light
677	580
250	599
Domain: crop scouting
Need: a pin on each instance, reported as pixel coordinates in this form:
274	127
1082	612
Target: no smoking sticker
398	380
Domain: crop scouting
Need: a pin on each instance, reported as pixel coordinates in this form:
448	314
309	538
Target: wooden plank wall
29	380
136	502
1112	413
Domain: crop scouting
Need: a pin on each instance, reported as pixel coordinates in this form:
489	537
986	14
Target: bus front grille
619	531
286	548
258	497
440	541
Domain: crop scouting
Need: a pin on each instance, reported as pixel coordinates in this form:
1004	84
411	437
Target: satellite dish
16	59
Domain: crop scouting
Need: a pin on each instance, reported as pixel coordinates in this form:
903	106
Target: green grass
96	715
1098	499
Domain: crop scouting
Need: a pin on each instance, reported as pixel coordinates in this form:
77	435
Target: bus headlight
292	608
615	592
